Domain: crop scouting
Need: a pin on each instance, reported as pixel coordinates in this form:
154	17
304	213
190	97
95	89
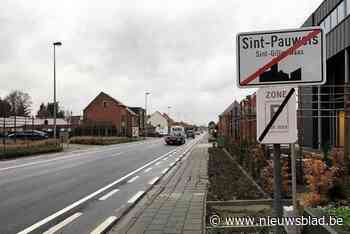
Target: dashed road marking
60	225
111	193
165	158
133	179
172	164
148	169
136	196
157	163
102	227
153	180
88	197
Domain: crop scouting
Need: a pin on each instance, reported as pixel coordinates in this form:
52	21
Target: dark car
190	134
175	140
30	135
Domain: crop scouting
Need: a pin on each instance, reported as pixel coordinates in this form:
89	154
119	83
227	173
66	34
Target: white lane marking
105	197
153	180
133	179
157	163
165	158
172	164
88	197
148	169
73	155
136	196
165	170
60	225
102	227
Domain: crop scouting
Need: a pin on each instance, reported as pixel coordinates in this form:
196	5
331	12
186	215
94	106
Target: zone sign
284	57
284	129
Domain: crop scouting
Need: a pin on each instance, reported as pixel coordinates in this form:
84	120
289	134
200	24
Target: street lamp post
169	107
146	95
54	87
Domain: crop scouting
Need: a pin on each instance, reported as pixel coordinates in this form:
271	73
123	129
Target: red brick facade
238	121
248	119
108	111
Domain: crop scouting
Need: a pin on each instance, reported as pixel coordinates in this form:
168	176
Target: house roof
230	107
26	121
113	99
168	118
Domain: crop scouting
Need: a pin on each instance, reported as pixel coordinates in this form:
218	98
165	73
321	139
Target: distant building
106	110
75	120
21	123
160	122
140	119
248	119
229	122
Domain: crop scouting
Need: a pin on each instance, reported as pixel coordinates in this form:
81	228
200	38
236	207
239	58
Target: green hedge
29	150
102	140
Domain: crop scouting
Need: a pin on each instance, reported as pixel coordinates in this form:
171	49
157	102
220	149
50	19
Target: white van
177	136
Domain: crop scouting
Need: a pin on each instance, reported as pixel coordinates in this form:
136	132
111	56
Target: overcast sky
182	51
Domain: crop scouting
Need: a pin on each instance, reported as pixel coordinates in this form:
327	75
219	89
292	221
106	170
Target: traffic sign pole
277	178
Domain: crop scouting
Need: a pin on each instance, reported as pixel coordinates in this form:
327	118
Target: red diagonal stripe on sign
283	55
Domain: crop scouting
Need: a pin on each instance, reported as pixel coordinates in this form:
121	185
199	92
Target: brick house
229	122
106	110
248	118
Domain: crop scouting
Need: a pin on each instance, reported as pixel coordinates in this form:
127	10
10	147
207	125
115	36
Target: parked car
190	134
177	136
28	135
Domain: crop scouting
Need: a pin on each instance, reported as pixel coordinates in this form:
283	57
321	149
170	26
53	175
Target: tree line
20	103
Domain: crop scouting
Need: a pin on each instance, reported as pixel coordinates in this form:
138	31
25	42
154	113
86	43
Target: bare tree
20	103
5	108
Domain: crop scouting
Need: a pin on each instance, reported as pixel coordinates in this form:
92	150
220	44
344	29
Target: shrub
101	140
323	181
40	147
312	199
341	212
267	178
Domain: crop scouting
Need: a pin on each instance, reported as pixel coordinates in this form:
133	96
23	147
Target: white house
160	122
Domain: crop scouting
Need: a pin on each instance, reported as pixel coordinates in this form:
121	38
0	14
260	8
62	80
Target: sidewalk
179	206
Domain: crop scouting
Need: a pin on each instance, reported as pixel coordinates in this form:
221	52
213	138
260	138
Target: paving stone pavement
179	208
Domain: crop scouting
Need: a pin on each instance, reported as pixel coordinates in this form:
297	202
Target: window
334	18
347	7
341	11
104	104
327	24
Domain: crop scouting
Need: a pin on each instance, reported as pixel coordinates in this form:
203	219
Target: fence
323	116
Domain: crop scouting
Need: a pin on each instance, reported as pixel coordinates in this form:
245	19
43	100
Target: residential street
94	184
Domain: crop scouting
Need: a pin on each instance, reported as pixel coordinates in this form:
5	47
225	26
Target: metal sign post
277	185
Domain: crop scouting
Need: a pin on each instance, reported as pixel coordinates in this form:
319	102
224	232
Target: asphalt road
79	192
